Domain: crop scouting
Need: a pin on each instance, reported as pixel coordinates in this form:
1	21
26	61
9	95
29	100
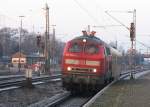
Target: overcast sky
73	16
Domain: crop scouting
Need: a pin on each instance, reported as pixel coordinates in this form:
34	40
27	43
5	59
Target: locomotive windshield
87	48
75	47
91	49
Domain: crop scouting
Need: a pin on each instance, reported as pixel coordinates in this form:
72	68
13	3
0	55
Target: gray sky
73	16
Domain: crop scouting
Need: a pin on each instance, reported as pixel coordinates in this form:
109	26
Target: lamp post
20	41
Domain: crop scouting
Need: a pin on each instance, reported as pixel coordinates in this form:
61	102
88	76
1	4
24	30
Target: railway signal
38	40
132	32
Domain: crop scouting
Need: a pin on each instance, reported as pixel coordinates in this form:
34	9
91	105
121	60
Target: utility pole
19	64
47	57
53	46
134	21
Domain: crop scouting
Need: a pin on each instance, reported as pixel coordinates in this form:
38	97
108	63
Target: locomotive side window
108	51
75	47
91	49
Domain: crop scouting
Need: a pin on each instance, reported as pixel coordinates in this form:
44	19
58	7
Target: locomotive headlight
69	68
94	70
84	40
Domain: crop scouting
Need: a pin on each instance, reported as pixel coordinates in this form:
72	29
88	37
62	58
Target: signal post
133	42
132	31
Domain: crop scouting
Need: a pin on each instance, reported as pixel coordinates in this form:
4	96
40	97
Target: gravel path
126	93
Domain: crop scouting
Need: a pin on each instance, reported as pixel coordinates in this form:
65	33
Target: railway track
74	101
68	100
18	81
139	71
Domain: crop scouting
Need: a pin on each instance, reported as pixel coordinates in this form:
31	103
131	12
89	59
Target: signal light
38	40
132	31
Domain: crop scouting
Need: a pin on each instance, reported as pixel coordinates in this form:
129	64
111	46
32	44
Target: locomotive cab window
108	51
75	47
91	49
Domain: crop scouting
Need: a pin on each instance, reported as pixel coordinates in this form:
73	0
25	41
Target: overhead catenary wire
94	19
90	15
117	11
139	42
117	20
86	11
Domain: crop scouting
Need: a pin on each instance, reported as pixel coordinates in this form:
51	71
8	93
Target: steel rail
122	76
20	81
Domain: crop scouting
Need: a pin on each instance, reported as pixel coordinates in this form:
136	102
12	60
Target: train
88	63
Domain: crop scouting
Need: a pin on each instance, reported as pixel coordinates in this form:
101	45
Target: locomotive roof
93	38
99	41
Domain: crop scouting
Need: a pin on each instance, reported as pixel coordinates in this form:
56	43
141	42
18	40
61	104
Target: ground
23	97
126	93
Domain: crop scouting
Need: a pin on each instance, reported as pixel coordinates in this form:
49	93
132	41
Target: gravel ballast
24	97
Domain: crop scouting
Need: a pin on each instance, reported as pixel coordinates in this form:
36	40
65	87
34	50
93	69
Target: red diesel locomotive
88	62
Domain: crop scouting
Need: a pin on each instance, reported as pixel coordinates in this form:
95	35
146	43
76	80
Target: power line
85	10
140	42
120	11
91	16
117	20
144	35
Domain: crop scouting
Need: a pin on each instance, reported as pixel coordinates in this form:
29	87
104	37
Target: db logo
82	62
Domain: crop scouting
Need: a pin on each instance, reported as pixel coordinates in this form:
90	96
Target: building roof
18	54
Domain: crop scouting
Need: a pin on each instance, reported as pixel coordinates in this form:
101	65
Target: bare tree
6	35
